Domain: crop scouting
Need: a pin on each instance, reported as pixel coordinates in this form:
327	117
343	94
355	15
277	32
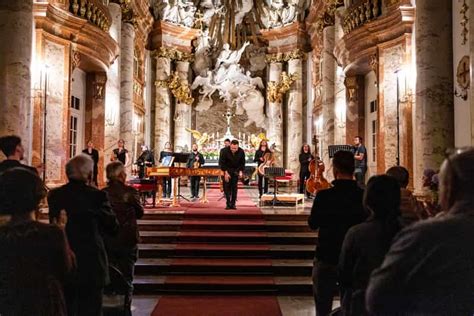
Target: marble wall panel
275	115
182	115
392	61
57	112
16	31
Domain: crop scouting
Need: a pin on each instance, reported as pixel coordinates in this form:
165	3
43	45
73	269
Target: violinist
195	160
261	157
305	158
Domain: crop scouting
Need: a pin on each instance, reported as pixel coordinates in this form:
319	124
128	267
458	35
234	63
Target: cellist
259	158
305	158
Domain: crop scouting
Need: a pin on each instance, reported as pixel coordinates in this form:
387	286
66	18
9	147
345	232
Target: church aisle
243	258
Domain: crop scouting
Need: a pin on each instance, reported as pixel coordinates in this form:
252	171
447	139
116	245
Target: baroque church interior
161	75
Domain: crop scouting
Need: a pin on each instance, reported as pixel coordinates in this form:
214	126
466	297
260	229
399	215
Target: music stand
180	158
274	172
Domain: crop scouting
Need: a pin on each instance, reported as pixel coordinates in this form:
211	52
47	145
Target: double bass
316	182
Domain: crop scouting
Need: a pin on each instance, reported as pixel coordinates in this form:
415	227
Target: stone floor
290	305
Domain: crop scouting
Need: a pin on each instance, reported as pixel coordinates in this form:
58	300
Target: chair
116	297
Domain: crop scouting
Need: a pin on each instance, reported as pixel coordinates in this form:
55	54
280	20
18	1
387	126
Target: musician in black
195	160
262	155
94	154
226	145
232	162
167	151
121	154
146	159
305	158
360	156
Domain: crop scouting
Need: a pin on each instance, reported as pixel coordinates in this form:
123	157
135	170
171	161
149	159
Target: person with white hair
429	268
89	216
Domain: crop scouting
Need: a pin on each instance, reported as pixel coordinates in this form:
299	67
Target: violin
267	162
316	181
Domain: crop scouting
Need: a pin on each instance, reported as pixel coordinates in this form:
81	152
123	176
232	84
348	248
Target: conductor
232	162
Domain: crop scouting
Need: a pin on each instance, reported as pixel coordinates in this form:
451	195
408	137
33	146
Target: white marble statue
202	57
236	88
175	11
277	13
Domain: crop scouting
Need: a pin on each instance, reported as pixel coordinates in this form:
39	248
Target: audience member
334	211
34	260
366	244
122	249
89	215
429	268
410	209
13	149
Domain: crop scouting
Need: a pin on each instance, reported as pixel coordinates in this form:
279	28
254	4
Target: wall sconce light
340	115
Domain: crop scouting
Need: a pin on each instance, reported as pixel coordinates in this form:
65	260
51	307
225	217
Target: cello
316	182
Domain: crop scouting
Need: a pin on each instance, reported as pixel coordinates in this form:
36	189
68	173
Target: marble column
434	130
162	104
112	92
340	105
126	85
182	115
16	30
274	113
328	75
471	96
295	117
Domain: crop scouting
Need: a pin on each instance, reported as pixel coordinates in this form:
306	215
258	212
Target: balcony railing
360	13
93	11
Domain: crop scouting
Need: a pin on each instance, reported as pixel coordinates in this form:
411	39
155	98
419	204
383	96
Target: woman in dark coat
34	259
365	245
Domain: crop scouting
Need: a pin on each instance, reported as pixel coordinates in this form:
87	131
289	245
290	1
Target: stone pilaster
16	31
182	114
329	71
112	92
95	117
434	130
340	105
162	104
275	115
295	116
126	85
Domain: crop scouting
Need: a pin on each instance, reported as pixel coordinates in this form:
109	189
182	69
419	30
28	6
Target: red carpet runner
225	305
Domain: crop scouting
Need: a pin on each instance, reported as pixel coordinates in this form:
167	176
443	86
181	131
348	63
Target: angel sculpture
207	87
201	139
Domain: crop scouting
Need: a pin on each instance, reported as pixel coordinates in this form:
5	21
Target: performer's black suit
233	163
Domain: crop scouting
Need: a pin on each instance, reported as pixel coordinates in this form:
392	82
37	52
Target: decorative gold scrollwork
276	91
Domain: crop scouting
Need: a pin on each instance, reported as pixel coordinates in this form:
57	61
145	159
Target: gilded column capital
172	54
295	54
161	83
283	57
275	58
276	90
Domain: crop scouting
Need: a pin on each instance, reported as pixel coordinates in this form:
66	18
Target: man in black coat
334	211
232	162
89	216
94	154
122	249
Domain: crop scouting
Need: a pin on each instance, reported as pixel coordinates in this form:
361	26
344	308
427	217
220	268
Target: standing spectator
360	156
94	154
195	160
13	149
122	249
410	209
366	244
34	260
121	154
305	158
334	211
89	216
429	268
